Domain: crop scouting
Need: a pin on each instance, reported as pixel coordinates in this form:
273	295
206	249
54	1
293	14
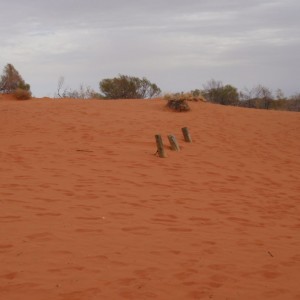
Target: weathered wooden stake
160	146
186	134
173	143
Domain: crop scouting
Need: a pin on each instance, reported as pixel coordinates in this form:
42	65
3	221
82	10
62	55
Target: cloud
240	42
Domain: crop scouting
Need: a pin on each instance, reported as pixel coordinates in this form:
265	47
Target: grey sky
179	45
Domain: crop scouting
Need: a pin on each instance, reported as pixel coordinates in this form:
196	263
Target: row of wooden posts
173	142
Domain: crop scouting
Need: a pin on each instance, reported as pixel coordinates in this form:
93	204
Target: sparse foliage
83	92
11	80
191	96
60	84
262	92
128	87
214	91
257	97
22	94
279	95
293	103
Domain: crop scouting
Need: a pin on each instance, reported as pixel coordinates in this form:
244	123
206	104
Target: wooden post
186	134
173	143
160	146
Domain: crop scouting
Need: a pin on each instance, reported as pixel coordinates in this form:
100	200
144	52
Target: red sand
89	212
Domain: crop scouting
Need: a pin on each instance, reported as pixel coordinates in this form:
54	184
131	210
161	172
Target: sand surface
89	212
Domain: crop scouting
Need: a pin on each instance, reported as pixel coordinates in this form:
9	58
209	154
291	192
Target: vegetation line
129	87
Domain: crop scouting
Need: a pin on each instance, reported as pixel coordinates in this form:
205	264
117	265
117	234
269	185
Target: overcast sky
179	45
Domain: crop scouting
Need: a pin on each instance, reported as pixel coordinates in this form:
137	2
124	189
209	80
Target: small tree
279	95
257	97
212	90
215	91
60	92
293	104
127	87
12	80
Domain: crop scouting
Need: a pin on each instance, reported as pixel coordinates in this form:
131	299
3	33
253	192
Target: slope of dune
88	211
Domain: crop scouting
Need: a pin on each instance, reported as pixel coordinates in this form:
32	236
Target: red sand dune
89	212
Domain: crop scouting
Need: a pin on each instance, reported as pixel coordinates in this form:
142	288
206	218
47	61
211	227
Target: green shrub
127	87
214	91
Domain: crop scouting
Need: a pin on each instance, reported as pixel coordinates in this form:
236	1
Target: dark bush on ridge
22	94
214	91
178	105
127	87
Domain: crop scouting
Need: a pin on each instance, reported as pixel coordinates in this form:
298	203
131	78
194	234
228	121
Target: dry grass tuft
178	105
22	94
179	101
185	96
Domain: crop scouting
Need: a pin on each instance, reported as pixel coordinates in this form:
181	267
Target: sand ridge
89	212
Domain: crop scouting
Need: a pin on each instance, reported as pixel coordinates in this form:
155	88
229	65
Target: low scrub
179	101
128	87
192	96
22	94
178	105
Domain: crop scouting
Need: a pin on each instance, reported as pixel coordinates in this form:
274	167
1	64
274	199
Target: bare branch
60	84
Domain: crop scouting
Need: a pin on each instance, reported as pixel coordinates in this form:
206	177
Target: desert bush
179	101
178	105
257	92
11	80
260	97
22	94
214	91
128	87
83	92
293	103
